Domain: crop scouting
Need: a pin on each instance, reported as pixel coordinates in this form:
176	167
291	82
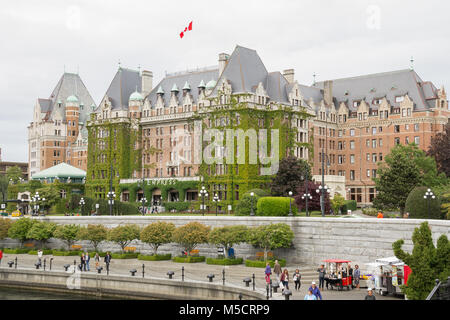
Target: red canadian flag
188	28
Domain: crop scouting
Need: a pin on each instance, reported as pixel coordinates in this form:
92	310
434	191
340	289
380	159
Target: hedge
44	252
124	255
101	254
262	264
417	206
177	206
370	212
65	253
224	262
349	205
189	259
16	251
158	257
275	206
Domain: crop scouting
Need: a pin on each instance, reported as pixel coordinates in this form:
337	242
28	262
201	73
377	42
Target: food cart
391	273
338	274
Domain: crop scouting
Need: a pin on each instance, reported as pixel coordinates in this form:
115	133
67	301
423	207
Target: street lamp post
322	189
428	196
36	200
216	200
305	197
203	194
82	203
252	195
143	201
290	204
111	196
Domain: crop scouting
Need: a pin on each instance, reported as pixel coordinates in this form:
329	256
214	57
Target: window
380	156
352	132
374	143
416	127
352	174
396	140
406	127
399	99
374	157
352	144
404	112
397	128
406	140
380	129
417	140
340	159
367	143
368	173
409	112
374	173
352	158
380	142
374	130
368	156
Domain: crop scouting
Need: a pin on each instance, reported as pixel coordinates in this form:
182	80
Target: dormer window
399	99
356	103
377	101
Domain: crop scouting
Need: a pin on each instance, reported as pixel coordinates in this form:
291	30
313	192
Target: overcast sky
333	39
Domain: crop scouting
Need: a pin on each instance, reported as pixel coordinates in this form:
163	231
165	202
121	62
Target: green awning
62	170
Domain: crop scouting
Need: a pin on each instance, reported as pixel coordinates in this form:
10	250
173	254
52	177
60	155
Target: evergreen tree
427	263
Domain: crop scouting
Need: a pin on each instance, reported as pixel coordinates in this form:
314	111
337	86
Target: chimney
223	60
147	82
328	92
289	75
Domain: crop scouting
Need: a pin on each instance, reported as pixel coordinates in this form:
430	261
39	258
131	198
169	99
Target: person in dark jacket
82	262
107	260
322	271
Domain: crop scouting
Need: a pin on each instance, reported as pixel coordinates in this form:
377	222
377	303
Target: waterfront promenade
194	272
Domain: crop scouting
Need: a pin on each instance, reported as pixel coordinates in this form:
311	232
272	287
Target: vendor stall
338	274
390	274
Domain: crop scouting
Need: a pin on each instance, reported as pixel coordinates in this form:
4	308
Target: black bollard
267	289
143	270
253	282
15	263
45	260
51	259
223	276
74	265
170	274
240	296
210	277
182	273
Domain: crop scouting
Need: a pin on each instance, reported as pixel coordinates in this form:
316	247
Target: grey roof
276	87
192	78
311	92
46	105
71	84
124	83
379	85
244	70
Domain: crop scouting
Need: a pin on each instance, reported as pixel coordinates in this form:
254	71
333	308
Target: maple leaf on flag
181	34
188	28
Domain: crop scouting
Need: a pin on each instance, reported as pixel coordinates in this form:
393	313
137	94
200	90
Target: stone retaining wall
121	286
357	239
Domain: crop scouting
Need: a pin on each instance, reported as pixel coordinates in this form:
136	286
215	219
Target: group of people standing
85	259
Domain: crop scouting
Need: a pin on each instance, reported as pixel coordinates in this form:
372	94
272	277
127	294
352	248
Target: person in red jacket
1	256
380	215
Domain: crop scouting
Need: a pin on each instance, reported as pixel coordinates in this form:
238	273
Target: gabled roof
62	170
276	87
379	85
192	78
124	83
244	69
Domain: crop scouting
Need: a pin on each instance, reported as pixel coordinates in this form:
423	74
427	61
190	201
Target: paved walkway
234	275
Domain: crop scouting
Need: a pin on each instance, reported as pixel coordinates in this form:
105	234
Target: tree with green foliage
191	235
4	183
95	233
157	234
41	231
67	233
276	206
123	235
51	195
420	208
337	202
427	262
270	237
19	229
244	206
5	224
291	174
228	236
14	174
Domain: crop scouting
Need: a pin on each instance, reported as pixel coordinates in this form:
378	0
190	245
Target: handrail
436	287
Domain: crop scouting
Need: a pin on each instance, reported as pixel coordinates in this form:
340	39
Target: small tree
95	233
157	234
51	194
314	203
5	224
4	183
228	236
420	208
337	202
14	173
191	235
272	236
427	263
244	206
291	175
41	231
123	235
67	233
19	229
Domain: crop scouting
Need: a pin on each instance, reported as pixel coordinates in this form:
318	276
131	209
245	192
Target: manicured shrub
224	262
67	233
124	255
95	233
92	254
228	236
124	234
349	205
16	251
262	264
5	224
41	231
157	234
189	259
19	229
155	257
177	206
275	206
243	208
418	208
64	253
370	211
191	235
272	236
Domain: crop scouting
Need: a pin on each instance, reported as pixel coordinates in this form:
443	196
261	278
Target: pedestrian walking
267	273
107	260
322	271
285	279
82	262
277	269
350	273
297	277
315	291
1	256
310	296
357	274
87	258
40	254
370	295
97	260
